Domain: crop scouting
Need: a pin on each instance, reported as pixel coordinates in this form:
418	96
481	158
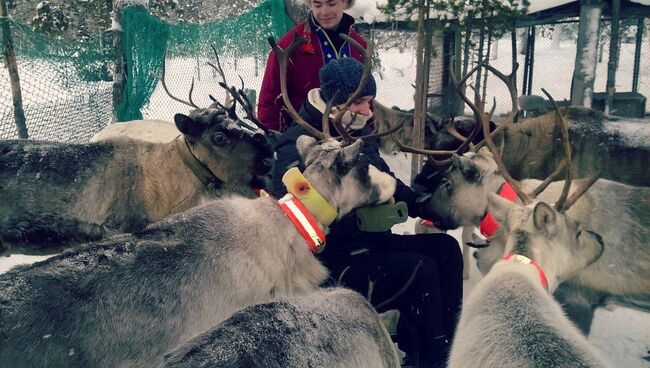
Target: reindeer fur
155	131
128	300
325	328
509	319
619	212
58	194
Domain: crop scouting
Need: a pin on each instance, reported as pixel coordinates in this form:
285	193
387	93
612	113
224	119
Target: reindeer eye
220	139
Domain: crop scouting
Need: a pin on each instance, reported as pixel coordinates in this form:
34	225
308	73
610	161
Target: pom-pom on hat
344	75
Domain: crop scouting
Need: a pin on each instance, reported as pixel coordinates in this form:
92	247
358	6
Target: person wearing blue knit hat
357	254
344	76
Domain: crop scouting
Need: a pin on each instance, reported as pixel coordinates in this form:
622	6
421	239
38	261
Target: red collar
304	222
525	260
489	225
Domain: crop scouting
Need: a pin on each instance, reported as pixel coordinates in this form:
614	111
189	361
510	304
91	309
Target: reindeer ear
306	145
345	158
485	152
499	207
389	319
188	126
545	218
466	168
348	155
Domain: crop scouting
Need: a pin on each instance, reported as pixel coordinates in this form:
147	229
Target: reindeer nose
475	255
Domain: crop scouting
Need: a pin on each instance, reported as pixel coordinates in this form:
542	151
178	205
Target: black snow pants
420	275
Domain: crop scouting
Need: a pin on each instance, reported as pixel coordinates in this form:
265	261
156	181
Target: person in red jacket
325	22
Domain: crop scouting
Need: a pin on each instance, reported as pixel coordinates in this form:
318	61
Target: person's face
361	106
328	13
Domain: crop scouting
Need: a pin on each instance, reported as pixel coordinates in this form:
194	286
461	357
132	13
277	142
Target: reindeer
510	314
156	131
458	197
326	328
618	149
510	318
131	298
59	194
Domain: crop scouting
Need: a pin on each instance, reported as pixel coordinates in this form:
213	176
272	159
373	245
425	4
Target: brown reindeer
55	194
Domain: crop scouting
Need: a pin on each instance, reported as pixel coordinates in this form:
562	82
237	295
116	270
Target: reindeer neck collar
313	201
200	170
304	222
489	225
518	258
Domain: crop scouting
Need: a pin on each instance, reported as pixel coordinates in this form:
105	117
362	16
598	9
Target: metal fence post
12	67
637	54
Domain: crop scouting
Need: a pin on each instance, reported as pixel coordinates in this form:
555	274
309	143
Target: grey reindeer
327	328
128	300
510	318
458	196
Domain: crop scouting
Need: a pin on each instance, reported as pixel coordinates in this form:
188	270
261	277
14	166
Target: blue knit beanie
344	75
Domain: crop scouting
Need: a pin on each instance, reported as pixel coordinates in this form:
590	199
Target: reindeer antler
219	69
563	204
510	81
564	125
465	140
283	57
239	96
164	85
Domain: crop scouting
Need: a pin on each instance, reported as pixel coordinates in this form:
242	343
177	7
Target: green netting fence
67	87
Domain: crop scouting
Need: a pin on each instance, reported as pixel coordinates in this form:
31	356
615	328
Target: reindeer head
457	196
234	151
559	245
343	175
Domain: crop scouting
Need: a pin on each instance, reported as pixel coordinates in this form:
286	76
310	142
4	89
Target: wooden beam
12	67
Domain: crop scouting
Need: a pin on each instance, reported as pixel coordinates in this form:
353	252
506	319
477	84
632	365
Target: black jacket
287	157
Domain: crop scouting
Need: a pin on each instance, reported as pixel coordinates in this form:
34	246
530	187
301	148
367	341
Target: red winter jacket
302	75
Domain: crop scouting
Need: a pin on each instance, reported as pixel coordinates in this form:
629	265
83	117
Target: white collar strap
518	258
304	222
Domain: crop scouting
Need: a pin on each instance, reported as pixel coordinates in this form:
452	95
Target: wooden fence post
12	67
119	72
421	85
612	63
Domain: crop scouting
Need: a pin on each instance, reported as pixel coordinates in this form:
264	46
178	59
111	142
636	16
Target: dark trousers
420	275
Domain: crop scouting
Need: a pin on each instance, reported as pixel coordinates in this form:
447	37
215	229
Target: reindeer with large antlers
619	213
396	271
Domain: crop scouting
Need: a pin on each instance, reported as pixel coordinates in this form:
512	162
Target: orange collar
304	222
525	260
489	225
